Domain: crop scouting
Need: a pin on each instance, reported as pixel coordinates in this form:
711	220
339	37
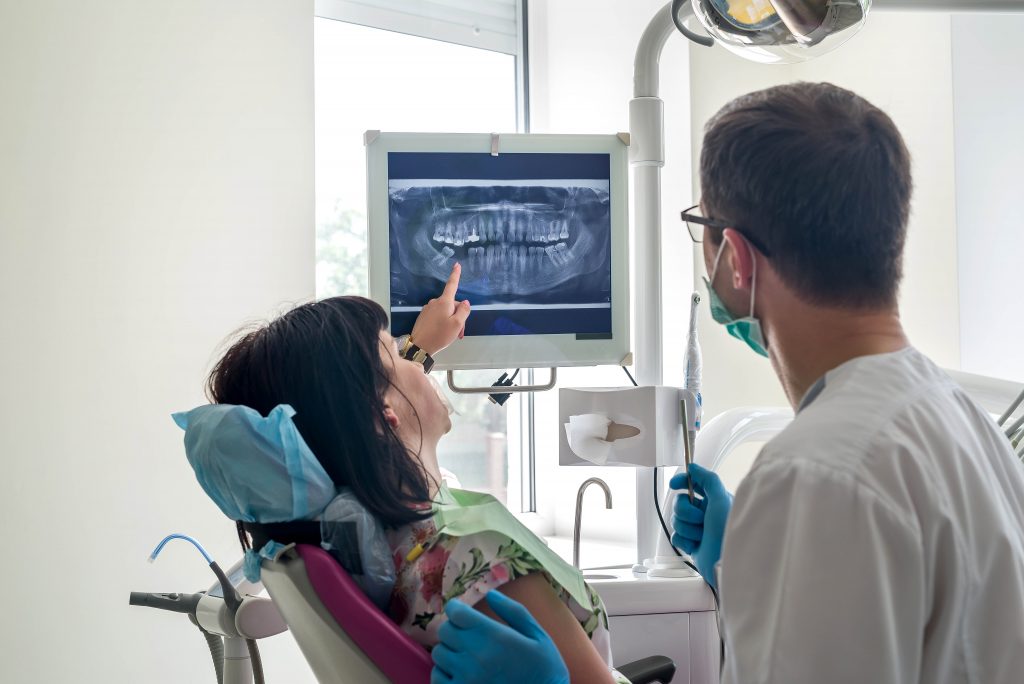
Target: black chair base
650	670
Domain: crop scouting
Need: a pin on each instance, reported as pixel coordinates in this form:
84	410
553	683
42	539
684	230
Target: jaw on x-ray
519	242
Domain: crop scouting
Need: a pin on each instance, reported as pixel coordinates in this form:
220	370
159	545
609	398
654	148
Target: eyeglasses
696	223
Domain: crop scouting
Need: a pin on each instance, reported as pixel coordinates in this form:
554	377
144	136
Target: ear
741	259
390	417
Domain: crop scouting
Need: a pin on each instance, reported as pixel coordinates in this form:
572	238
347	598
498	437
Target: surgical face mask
747	329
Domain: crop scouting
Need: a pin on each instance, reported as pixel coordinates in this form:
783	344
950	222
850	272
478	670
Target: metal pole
647	156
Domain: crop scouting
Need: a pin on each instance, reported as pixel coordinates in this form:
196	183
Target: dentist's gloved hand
476	649
700	526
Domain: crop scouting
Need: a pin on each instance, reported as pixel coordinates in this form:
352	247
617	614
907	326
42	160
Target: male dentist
880	537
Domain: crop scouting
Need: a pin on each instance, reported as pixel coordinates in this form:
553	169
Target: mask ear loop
753	284
718	259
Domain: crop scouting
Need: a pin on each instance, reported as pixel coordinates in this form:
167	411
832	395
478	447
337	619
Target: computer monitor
539	225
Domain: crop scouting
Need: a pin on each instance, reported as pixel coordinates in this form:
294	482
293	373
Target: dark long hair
324	359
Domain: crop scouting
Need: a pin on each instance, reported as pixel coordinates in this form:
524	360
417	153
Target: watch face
402	342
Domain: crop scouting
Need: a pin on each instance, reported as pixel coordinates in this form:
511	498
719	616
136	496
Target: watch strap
412	352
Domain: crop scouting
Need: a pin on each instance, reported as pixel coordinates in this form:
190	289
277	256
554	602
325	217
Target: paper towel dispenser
623	426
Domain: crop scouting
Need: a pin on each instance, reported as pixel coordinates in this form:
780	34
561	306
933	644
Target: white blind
487	24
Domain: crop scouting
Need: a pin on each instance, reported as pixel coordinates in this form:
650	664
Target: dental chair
346	638
258	467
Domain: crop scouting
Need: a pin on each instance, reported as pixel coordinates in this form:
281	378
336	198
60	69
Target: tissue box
655	411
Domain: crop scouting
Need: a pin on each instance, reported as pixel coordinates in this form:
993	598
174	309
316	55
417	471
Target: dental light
781	31
789	31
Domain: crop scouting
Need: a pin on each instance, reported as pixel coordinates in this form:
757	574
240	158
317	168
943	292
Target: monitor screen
531	231
539	224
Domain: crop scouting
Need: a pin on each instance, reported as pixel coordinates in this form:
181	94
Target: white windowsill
594	553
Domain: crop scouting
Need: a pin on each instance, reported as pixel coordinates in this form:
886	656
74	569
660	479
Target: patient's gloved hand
476	649
700	527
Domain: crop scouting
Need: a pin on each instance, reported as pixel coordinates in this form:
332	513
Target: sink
599	577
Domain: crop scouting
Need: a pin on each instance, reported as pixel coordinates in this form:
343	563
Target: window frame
353	12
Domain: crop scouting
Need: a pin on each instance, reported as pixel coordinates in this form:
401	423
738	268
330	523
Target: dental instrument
688	456
229	615
692	383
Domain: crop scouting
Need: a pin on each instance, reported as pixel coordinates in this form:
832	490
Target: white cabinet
673	617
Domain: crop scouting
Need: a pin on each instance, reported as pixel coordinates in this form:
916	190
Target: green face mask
747	329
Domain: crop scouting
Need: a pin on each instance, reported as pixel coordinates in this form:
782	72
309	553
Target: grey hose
257	664
216	645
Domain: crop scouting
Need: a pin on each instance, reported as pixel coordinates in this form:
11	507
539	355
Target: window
398	65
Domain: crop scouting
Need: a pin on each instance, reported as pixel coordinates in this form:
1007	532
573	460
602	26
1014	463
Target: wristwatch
409	351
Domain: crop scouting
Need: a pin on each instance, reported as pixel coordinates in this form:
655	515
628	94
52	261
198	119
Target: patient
374	420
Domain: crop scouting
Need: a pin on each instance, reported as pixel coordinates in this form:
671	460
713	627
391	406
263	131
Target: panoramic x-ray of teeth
529	243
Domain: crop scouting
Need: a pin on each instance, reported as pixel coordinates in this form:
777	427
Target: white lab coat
879	538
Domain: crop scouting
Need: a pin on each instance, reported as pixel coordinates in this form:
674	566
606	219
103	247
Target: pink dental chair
346	638
342	634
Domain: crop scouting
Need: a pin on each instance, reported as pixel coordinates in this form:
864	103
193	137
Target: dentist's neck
807	341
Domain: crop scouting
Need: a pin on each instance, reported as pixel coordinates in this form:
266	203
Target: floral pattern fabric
466	568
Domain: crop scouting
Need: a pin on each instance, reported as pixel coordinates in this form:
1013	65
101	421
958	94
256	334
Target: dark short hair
821	177
324	359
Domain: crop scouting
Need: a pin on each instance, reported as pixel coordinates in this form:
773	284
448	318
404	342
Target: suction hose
216	645
254	659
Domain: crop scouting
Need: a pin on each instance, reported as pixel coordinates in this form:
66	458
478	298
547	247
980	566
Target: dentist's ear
390	417
741	259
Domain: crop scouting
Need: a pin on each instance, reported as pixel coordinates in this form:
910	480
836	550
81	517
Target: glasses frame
690	219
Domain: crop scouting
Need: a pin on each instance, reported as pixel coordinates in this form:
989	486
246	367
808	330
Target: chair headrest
255	468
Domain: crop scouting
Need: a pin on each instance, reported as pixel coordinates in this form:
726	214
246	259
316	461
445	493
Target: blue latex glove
476	649
699	528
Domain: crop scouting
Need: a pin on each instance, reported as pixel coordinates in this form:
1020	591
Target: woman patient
374	420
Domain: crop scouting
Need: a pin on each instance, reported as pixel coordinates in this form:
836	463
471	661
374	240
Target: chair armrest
649	670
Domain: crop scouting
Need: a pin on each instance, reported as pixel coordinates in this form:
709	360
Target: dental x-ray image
531	231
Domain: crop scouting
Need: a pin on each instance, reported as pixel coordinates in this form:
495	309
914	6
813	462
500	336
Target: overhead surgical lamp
778	31
789	31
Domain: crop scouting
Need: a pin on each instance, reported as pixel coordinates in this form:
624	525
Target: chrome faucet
579	514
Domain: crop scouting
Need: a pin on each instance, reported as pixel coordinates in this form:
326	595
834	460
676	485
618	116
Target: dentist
880	537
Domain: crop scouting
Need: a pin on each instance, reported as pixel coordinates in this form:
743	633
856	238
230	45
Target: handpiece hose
175	603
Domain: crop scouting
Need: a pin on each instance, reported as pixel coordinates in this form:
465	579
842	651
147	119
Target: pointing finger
452	286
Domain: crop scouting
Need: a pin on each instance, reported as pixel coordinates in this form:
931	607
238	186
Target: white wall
581	80
156	190
900	62
987	54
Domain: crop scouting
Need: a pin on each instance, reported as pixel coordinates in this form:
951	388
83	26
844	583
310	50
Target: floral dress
466	568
